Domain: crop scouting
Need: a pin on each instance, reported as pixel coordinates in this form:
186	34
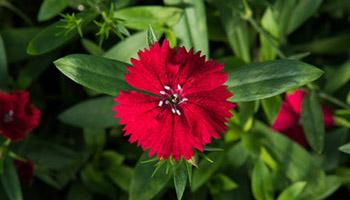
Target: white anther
160	103
178	112
8	117
184	99
167	87
162	92
167	102
179	87
173	110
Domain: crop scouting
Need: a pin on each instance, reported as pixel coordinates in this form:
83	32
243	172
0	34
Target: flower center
8	117
172	97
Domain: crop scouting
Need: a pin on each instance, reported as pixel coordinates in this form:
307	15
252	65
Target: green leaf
270	24
95	139
303	10
144	186
296	163
91	47
3	64
292	192
55	36
246	111
339	121
151	36
121	176
262	182
97	73
95	180
56	165
335	44
331	156
33	69
97	175
78	191
267	79
192	27
110	158
313	123
180	179
221	186
226	183
189	172
344	174
93	113
16	42
51	8
237	155
292	14
49	155
322	189
293	160
106	172
127	48
206	169
139	17
10	182
338	78
235	27
216	30
345	148
271	107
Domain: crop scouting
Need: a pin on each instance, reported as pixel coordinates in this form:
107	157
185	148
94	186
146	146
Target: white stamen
160	103
173	110
8	117
167	87
179	87
162	92
178	112
184	99
166	102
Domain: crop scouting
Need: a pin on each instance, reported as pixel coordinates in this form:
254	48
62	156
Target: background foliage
79	151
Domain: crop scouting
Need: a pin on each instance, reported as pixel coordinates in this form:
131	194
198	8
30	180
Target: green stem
6	143
247	15
266	36
3	148
16	156
339	121
17	11
333	100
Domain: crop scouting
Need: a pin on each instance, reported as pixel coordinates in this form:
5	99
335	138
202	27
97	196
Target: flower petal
24	118
327	117
295	100
286	118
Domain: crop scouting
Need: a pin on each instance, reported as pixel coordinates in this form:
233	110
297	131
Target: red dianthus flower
288	118
25	170
187	106
17	116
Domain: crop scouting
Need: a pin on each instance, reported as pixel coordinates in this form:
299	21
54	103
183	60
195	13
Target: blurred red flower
288	120
25	170
17	116
187	107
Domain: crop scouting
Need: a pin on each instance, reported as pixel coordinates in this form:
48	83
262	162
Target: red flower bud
288	118
25	170
17	116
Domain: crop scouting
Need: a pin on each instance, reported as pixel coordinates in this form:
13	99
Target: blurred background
79	152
